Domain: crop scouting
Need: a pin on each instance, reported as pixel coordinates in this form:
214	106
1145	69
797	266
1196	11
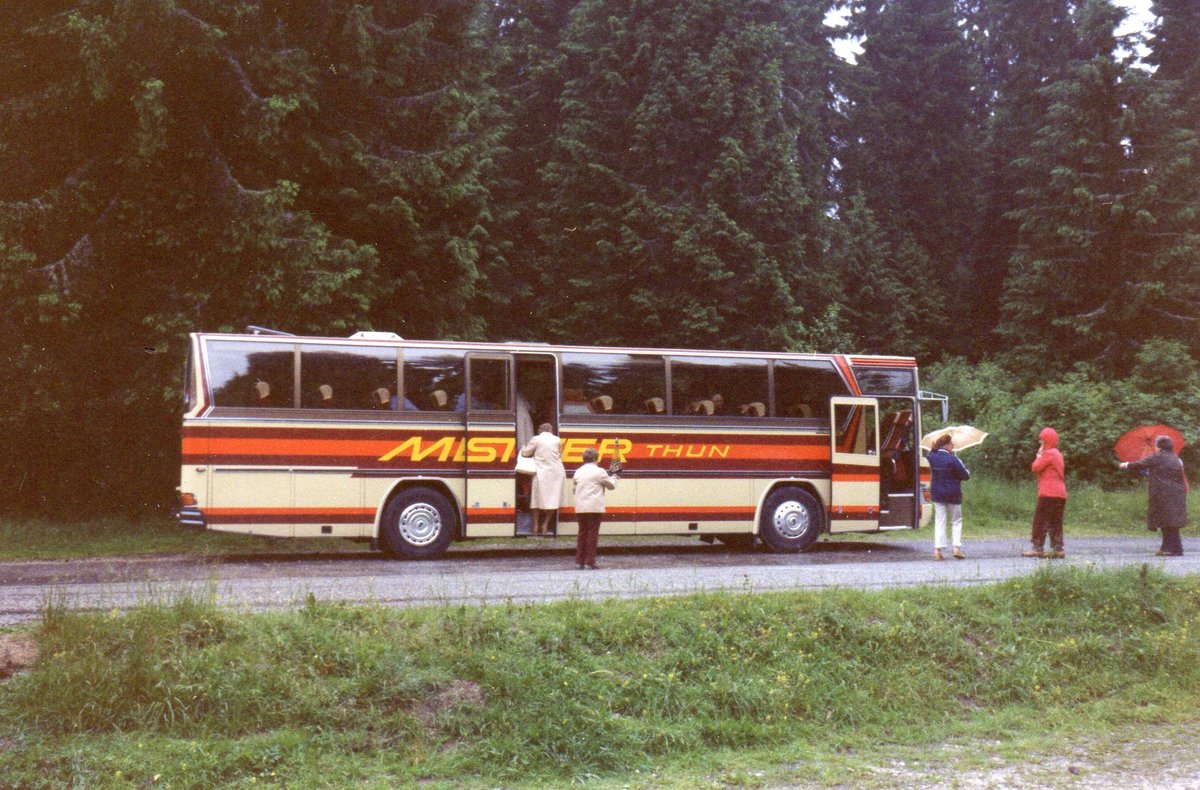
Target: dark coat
1168	489
947	473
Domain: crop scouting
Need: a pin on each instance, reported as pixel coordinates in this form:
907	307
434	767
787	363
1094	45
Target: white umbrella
963	436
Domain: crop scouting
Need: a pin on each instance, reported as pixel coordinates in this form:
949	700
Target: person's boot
1057	554
1032	551
937	554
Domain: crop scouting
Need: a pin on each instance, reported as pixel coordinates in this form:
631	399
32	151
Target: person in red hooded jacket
1052	498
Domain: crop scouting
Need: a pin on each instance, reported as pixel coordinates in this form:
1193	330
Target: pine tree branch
239	77
82	254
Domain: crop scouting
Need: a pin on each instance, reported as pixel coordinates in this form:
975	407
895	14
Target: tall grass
200	696
1005	508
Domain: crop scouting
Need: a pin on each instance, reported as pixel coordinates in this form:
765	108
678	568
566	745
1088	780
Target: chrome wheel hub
791	520
420	524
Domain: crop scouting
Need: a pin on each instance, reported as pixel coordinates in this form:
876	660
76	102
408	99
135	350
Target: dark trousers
588	537
1172	543
1048	520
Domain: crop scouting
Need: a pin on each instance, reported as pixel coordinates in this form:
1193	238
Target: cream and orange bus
412	444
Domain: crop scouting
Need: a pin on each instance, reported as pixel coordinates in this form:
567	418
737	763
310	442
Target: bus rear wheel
418	522
791	520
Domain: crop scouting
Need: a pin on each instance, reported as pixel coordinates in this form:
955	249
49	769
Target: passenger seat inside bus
754	409
439	399
326	393
381	398
262	391
801	410
704	407
655	406
602	404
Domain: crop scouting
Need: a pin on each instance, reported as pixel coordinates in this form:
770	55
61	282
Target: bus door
536	402
900	463
854	445
489	445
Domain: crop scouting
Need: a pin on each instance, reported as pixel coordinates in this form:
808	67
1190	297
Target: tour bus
412	444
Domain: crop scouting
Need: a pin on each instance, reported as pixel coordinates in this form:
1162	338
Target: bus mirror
942	399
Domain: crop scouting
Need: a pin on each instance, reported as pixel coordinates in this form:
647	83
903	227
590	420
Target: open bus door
489	429
854	444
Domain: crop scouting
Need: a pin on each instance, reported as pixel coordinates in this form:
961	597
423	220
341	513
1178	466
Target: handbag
526	465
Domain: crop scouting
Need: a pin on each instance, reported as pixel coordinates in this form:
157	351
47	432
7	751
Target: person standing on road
550	482
1050	469
1167	508
590	484
948	473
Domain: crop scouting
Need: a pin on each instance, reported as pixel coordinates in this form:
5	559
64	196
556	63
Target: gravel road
530	572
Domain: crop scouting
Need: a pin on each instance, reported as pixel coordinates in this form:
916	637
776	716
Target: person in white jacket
550	482
590	483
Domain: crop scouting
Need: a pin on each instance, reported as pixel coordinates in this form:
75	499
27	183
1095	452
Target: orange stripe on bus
289	511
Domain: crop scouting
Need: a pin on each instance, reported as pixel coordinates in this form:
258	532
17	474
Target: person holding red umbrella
1167	510
1050	469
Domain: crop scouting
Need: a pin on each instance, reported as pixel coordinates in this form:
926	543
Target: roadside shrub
1089	410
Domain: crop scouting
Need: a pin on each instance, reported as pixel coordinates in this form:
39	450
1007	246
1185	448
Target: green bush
1089	411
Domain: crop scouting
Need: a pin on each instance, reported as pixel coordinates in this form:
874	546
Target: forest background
1006	189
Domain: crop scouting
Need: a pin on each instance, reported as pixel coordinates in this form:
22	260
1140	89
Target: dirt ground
1152	757
17	651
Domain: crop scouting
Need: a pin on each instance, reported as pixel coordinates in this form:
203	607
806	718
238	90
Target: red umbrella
1139	443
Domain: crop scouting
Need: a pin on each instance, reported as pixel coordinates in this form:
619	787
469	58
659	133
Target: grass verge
40	539
726	688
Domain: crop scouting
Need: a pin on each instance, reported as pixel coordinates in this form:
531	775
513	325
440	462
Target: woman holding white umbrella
945	489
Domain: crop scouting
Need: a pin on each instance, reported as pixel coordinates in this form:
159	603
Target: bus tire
417	523
791	520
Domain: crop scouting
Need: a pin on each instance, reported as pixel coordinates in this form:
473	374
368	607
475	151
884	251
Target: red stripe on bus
847	373
286	515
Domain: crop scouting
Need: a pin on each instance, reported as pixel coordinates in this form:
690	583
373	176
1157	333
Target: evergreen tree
528	84
888	303
911	140
1080	274
202	164
1173	49
683	201
1022	45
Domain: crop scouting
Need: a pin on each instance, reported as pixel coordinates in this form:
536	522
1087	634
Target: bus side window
355	374
251	375
613	383
803	388
723	388
433	380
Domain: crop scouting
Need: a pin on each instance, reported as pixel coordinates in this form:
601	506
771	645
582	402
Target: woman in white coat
550	482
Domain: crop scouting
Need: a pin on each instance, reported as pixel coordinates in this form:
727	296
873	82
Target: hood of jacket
1049	438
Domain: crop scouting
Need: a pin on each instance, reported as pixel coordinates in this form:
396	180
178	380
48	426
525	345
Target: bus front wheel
791	520
418	522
